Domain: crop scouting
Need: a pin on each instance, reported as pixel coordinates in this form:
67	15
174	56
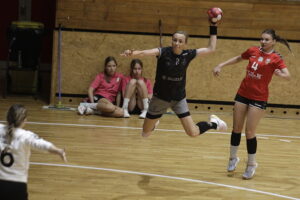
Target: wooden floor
108	159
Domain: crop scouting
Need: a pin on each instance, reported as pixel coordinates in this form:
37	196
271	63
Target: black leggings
10	190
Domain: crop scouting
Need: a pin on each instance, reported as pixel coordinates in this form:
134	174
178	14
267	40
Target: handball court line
138	128
167	177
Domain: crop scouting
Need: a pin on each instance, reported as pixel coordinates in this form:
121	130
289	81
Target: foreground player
252	96
169	87
15	145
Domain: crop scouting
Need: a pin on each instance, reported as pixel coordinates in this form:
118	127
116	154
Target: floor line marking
138	128
165	176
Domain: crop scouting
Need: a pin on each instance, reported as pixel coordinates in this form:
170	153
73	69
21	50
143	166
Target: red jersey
259	73
109	90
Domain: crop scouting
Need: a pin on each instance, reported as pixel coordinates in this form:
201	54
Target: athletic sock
251	149
92	105
235	142
204	126
125	103
145	103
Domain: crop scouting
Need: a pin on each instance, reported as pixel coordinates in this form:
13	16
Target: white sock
125	103
92	105
233	151
145	103
251	159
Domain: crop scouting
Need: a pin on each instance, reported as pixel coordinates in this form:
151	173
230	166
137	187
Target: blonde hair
16	115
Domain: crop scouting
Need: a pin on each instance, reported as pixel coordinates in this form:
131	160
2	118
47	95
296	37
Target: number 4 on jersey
254	66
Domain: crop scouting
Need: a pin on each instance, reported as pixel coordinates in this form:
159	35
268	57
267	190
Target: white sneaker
232	164
81	109
89	111
250	171
126	113
221	125
143	114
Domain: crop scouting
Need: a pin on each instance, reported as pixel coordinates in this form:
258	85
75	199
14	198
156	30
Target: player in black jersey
169	88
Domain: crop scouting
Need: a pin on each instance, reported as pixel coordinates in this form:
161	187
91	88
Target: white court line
168	177
136	128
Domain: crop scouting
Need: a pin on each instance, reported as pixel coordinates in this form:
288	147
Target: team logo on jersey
118	79
260	59
268	61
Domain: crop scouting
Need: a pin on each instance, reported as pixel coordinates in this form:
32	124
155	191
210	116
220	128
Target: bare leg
149	126
189	126
108	109
239	115
128	97
142	97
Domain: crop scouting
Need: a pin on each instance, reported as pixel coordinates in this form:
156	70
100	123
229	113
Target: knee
249	134
192	133
140	82
132	82
107	108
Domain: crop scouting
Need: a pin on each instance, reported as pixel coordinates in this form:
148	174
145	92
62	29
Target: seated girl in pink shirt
104	92
136	90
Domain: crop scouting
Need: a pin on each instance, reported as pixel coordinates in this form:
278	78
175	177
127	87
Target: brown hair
133	63
277	38
107	60
15	117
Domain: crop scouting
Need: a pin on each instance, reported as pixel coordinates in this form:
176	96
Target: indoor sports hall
54	49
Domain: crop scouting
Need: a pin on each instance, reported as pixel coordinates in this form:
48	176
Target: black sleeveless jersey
170	77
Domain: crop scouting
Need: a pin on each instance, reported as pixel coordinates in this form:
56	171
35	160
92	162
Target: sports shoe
81	109
126	113
221	125
89	111
250	171
143	114
233	162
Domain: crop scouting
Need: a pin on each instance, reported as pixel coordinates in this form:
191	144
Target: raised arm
139	53
212	43
217	69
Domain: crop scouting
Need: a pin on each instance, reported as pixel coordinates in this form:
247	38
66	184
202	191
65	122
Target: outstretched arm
217	69
61	152
283	73
148	52
212	43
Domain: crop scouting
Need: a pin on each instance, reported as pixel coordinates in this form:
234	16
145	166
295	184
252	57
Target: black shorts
250	102
13	190
97	97
135	111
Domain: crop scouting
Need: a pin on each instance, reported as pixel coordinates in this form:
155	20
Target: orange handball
215	14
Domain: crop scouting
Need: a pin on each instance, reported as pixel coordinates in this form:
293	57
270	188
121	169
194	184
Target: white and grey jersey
20	149
170	77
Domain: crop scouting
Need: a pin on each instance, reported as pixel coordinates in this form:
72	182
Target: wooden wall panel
83	55
241	18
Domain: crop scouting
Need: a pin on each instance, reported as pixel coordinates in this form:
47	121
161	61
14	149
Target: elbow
288	77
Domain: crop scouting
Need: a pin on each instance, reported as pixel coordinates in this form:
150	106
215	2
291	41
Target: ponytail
16	115
283	41
277	38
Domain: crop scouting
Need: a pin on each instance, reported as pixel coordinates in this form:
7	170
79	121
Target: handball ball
215	14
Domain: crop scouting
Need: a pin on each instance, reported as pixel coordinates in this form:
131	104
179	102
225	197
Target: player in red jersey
252	96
